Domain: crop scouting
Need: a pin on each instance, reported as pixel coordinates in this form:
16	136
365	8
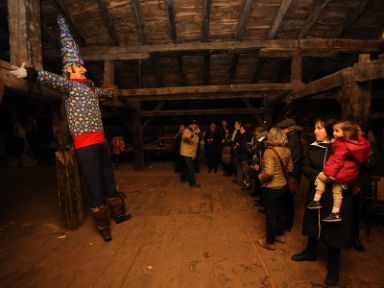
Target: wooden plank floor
178	237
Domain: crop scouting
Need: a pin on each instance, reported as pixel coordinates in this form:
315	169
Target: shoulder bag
293	186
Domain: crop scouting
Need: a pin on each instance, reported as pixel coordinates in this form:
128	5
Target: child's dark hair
349	129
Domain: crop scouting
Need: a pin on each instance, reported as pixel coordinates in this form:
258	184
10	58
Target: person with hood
82	107
289	127
349	151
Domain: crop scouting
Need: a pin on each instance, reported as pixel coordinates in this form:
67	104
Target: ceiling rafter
60	7
206	16
205	20
241	28
312	17
140	24
173	34
353	17
108	22
284	6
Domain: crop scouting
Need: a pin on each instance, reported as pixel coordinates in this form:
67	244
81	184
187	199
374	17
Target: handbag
293	185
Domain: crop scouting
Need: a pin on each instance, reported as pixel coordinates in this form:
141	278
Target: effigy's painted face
76	71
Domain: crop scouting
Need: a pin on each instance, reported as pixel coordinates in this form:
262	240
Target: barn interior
168	62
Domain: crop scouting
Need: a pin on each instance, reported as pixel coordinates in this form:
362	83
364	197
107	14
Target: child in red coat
348	151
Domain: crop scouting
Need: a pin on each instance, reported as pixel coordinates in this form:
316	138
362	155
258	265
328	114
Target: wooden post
296	68
109	73
137	134
25	32
356	97
68	181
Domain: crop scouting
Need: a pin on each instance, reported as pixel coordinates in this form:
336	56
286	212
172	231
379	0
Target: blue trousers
96	166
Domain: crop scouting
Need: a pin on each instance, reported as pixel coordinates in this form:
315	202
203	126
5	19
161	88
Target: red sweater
347	155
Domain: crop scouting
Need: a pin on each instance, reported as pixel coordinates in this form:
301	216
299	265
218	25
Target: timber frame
261	53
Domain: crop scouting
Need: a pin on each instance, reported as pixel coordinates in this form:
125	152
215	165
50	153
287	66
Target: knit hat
69	49
287	123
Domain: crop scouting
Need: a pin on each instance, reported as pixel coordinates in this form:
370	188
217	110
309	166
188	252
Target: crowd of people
338	166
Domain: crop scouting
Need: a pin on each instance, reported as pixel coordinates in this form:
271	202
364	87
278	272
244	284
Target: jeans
274	212
96	166
188	171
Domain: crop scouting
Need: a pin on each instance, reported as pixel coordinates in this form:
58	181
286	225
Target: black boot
304	256
102	222
358	245
117	207
331	279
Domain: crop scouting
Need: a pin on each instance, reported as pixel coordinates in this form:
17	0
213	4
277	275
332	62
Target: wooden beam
329	82
355	97
247	10
206	15
274	45
206	67
140	21
284	6
25	32
232	68
60	7
209	96
352	18
369	70
209	89
312	18
232	111
108	22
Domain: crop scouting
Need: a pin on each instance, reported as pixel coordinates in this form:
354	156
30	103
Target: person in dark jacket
349	151
334	235
241	149
212	147
294	144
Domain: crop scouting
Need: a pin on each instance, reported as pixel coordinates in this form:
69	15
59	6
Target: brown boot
102	222
117	207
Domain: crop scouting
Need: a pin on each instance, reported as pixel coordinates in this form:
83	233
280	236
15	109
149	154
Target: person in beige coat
277	162
188	149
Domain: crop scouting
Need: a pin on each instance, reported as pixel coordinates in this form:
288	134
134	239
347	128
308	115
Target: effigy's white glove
19	72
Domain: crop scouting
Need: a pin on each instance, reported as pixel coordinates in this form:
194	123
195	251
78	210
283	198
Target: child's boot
333	217
314	205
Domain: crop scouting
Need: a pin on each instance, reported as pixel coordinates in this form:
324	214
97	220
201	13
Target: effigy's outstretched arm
45	78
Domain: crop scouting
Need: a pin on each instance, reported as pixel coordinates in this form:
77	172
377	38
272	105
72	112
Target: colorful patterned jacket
81	101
